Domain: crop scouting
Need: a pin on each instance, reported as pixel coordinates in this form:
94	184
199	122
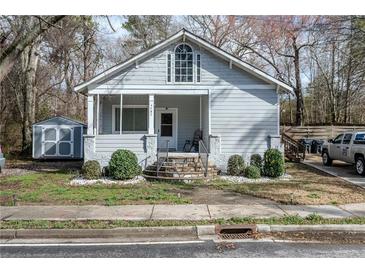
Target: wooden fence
318	132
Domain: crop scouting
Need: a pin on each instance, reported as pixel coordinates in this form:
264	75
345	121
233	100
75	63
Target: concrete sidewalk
175	212
339	169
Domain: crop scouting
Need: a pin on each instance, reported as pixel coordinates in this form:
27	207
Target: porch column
120	113
90	115
97	113
151	114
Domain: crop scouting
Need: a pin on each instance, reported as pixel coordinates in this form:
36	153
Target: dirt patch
213	196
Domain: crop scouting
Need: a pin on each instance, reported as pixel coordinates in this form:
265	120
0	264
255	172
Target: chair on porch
193	144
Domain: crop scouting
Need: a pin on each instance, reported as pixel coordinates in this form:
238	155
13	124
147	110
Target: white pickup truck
347	147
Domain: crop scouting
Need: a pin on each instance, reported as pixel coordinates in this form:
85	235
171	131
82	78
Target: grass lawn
102	224
53	188
307	186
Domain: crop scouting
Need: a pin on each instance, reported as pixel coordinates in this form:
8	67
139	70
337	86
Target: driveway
340	169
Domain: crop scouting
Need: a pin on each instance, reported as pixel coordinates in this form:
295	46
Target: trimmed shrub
274	165
253	172
256	160
91	170
236	165
123	165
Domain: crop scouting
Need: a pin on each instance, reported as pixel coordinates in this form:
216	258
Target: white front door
166	128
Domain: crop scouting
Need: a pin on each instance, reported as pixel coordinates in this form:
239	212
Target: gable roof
59	117
183	33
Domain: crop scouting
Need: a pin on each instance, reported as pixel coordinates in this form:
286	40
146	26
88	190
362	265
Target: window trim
167	68
196	68
174	61
128	132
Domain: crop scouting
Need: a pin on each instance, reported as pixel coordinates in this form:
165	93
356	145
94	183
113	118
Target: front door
166	127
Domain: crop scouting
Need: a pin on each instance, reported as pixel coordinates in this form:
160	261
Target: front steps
180	166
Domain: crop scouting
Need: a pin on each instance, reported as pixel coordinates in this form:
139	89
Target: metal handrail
163	160
204	156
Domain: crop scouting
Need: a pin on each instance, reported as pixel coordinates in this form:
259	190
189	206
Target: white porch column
90	115
120	114
97	113
151	114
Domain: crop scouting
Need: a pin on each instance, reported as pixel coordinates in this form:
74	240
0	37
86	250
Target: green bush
124	165
256	160
253	172
274	165
236	165
91	170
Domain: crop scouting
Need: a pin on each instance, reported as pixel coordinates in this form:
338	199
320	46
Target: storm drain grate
236	232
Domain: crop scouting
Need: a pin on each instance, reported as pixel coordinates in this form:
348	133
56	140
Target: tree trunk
9	56
298	87
30	63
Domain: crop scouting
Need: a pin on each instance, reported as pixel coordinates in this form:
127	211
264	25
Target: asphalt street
207	249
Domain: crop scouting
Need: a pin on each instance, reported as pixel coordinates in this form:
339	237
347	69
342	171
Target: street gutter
200	232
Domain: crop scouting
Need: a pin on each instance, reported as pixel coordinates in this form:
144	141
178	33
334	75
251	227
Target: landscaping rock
80	181
242	180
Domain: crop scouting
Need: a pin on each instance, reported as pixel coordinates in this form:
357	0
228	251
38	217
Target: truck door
345	148
335	147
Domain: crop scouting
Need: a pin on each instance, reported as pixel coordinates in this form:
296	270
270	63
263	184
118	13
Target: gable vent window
169	68
198	68
183	63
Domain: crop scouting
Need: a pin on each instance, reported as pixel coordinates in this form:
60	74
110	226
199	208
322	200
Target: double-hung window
134	119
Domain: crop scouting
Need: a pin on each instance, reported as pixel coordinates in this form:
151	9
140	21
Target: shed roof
55	118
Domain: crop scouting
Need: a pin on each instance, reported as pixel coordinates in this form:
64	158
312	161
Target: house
58	138
163	95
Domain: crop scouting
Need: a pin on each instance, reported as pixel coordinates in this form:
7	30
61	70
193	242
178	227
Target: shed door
65	143
50	141
58	141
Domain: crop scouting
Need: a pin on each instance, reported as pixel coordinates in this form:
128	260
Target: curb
310	228
123	232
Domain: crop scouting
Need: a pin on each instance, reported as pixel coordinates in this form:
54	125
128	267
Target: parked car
348	147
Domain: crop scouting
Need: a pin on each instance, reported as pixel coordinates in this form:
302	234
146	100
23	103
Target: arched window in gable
183	63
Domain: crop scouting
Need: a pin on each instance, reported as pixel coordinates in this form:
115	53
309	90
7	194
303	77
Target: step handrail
204	156
163	160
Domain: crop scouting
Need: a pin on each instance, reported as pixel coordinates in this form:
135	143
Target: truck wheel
327	161
360	166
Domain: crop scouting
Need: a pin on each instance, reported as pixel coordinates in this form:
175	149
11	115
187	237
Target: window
134	119
338	139
360	139
183	63
169	68
346	139
198	68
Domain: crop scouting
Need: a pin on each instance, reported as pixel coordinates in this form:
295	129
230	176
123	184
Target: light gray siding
244	119
107	144
214	72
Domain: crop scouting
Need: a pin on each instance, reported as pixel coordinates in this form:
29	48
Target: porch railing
204	156
162	157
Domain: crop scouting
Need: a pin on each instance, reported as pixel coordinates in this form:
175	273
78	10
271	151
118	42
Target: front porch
145	123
